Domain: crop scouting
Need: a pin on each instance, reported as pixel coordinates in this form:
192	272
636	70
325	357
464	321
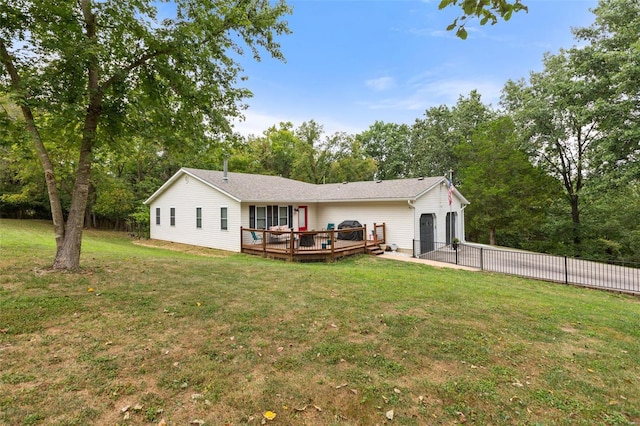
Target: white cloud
382	83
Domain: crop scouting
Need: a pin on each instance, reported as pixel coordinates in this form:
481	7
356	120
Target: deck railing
325	244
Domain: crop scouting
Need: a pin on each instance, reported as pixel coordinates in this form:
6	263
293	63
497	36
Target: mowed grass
153	332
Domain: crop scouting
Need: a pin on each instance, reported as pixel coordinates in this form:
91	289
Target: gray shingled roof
249	187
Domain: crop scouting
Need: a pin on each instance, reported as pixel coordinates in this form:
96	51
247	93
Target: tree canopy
89	75
111	99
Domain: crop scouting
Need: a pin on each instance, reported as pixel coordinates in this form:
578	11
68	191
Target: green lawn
184	334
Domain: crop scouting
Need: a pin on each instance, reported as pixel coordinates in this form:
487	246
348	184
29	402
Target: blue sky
353	62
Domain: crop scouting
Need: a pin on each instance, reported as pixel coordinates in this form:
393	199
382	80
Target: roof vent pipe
225	170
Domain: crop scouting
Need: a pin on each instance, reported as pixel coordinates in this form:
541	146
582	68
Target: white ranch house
209	208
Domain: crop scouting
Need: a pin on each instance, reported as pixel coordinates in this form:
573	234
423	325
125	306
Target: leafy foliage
509	194
488	11
88	74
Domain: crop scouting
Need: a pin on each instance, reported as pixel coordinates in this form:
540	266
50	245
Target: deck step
375	250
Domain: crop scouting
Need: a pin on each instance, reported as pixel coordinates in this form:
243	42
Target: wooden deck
312	245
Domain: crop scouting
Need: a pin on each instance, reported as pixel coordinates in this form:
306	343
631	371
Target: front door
426	233
302	218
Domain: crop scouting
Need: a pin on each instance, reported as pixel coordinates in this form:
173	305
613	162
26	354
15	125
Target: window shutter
290	217
252	217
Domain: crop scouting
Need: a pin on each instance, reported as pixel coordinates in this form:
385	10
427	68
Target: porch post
291	246
364	240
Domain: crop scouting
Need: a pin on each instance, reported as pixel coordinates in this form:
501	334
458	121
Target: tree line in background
553	169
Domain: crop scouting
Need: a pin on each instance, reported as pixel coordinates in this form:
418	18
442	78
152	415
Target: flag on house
450	191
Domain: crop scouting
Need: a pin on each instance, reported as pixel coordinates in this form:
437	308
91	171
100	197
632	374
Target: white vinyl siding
184	196
396	215
436	202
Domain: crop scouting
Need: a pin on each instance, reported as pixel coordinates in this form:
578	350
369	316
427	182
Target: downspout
413	243
462	207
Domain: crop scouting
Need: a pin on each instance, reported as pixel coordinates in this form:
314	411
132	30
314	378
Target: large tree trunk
492	236
575	217
68	253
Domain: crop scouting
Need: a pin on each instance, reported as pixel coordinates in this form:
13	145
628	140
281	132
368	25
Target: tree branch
50	178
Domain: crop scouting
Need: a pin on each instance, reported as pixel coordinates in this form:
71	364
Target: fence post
566	271
481	259
457	255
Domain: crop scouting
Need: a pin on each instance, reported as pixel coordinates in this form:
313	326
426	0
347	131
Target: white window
157	215
223	218
172	216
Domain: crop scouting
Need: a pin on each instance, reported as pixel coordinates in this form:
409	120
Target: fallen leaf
127	416
125	408
389	414
342	385
354	391
137	407
162	423
269	415
198	304
197	422
90	290
462	417
317	408
589	370
396	390
300	409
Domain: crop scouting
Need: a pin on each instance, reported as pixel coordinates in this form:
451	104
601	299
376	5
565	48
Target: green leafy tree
556	111
510	196
435	137
610	61
388	144
273	152
348	160
310	162
87	64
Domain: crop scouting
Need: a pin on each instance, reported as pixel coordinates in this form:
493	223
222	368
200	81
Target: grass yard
168	334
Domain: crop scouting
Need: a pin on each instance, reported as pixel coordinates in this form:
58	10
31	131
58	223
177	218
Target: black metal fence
618	276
